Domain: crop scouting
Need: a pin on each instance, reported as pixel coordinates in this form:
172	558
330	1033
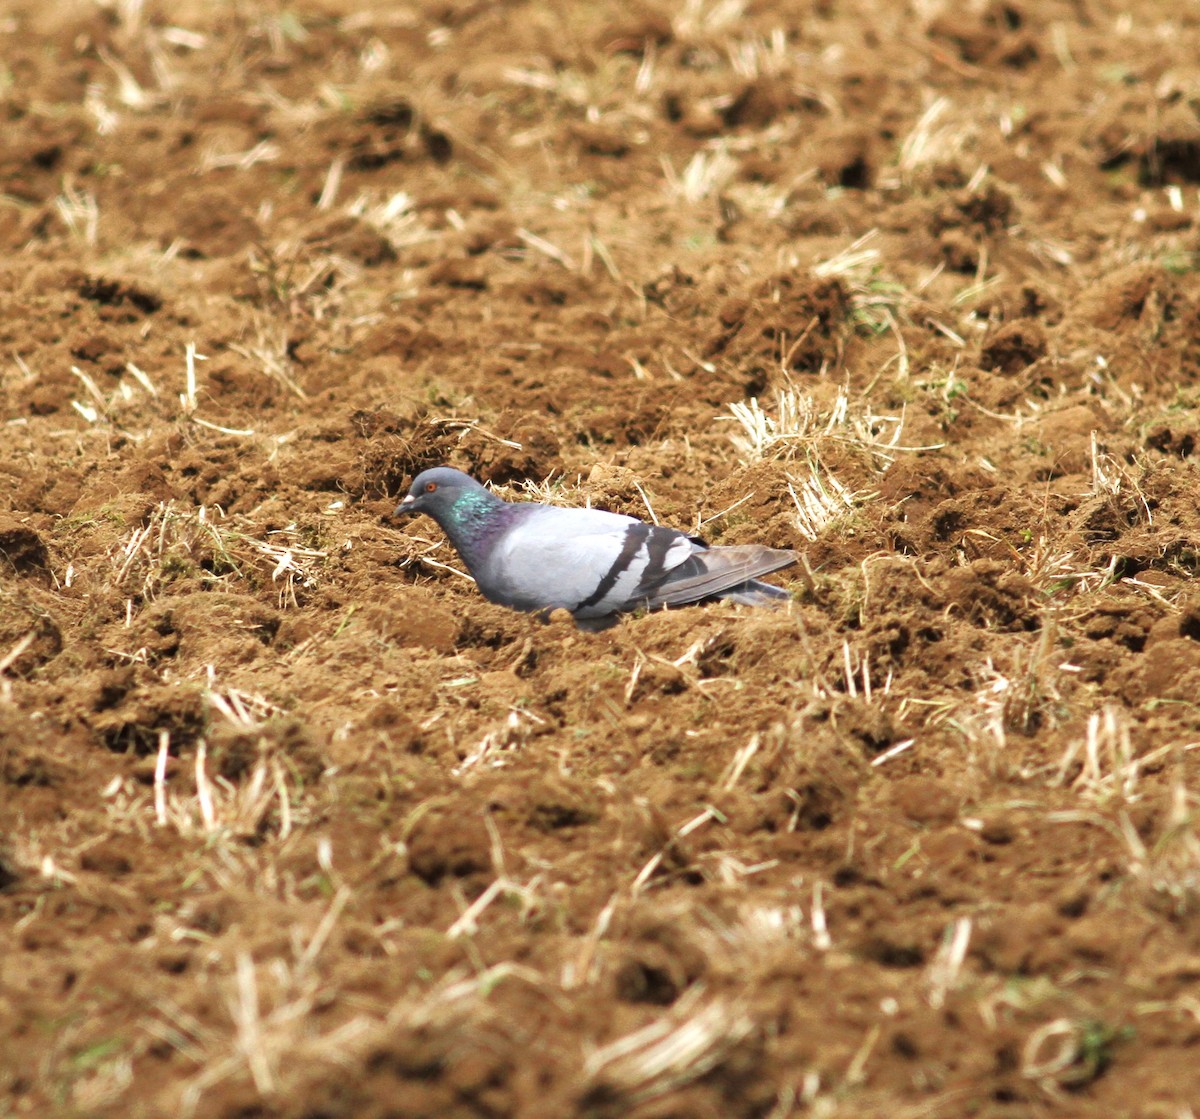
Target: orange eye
430	487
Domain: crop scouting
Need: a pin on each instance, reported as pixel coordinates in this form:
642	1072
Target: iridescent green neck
473	521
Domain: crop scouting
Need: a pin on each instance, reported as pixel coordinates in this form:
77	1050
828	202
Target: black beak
405	507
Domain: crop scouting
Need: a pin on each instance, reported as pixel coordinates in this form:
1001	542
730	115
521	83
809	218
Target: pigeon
597	565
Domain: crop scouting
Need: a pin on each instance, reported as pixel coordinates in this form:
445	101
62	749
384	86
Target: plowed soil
294	823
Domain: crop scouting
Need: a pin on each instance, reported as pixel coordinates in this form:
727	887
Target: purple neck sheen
474	521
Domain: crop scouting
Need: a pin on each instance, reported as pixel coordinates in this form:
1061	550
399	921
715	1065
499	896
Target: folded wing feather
712	571
595	563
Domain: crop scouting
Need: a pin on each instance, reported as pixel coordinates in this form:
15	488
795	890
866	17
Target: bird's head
437	491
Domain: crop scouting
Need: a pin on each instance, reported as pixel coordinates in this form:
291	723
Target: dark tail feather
754	592
729	572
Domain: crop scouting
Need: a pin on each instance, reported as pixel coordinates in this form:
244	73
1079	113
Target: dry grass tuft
877	302
939	136
392	216
669	1053
1168	870
705	21
820	500
80	213
801	425
272	1030
205	542
706	174
271	352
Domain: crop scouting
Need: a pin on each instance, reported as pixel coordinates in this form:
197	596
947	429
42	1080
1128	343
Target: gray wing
596	564
590	562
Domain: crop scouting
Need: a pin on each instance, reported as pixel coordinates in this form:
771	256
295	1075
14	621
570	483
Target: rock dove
537	557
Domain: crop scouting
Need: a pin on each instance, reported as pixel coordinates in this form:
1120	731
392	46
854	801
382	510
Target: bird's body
595	564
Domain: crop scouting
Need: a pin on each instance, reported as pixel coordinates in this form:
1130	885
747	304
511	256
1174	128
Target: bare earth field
295	825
